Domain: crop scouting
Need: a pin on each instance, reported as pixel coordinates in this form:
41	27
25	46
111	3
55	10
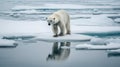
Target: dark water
49	54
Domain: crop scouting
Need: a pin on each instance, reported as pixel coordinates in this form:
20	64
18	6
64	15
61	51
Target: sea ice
113	53
98	41
110	46
7	43
58	6
67	38
117	20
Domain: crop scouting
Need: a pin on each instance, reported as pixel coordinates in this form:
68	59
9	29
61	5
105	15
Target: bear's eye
50	20
54	18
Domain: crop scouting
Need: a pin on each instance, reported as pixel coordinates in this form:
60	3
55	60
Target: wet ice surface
22	23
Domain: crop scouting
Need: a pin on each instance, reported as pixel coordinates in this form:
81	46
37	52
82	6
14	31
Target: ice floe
104	41
18	37
94	20
117	20
60	6
66	38
96	29
110	46
98	41
7	43
113	53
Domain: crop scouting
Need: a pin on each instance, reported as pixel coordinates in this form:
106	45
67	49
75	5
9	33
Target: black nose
49	24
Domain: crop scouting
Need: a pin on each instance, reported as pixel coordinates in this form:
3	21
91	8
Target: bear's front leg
62	29
55	30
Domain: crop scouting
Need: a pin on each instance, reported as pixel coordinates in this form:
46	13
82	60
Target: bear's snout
49	24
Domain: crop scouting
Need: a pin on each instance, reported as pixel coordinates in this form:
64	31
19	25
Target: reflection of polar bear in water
59	19
59	53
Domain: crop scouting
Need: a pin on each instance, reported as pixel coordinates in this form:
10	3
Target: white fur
60	19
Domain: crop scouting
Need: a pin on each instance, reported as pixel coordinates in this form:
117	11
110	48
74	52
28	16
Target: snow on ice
66	38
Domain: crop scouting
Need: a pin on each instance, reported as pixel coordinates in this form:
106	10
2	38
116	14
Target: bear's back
61	12
63	15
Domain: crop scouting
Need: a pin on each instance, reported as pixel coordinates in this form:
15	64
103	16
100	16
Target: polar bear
61	20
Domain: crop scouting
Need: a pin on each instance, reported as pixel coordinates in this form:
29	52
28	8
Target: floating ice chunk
18	37
94	20
114	40
7	43
117	20
98	47
98	20
113	53
104	30
98	41
72	37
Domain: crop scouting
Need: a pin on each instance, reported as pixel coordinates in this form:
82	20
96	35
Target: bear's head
53	19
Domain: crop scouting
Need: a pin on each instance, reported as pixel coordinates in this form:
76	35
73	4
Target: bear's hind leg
55	30
68	28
